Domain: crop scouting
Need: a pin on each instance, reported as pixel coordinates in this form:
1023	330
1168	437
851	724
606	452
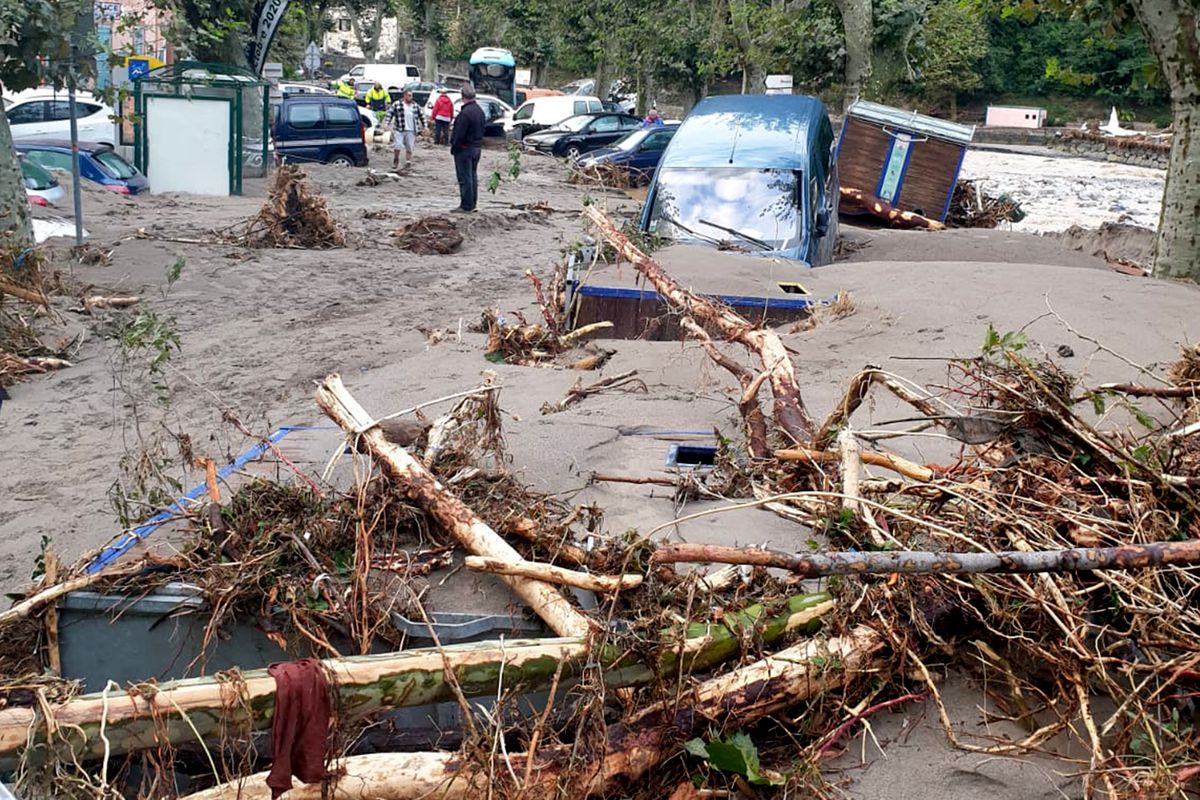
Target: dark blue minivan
754	171
320	128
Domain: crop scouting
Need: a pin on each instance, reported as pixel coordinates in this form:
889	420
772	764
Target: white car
496	112
46	114
289	89
544	112
390	76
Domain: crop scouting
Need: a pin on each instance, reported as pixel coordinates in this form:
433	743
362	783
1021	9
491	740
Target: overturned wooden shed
907	159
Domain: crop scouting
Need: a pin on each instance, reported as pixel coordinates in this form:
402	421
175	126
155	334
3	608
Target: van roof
756	131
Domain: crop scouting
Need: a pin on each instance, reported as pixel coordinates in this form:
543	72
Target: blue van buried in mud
320	128
753	171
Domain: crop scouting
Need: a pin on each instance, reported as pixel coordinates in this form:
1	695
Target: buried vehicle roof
757	131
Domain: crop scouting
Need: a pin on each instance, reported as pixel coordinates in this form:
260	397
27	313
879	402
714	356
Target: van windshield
728	204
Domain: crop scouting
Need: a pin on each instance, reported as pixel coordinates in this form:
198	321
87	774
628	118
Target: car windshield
35	177
748	207
573	123
114	165
631	140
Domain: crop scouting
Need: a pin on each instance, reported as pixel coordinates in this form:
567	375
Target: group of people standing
463	132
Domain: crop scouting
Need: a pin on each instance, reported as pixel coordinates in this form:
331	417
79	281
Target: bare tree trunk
431	44
368	35
914	562
1172	30
632	748
859	27
16	230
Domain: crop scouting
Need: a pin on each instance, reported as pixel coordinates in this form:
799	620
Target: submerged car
638	151
41	187
98	163
754	171
580	134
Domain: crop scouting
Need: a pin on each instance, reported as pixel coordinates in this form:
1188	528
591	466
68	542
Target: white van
545	112
391	76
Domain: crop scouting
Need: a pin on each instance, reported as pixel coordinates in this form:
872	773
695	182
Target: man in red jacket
443	113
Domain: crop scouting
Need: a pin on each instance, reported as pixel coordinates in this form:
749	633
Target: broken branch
553	574
916	562
426	491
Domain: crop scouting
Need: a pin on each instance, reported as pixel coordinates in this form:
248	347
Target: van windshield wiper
686	229
743	236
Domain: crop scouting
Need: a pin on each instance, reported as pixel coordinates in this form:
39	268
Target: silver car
41	187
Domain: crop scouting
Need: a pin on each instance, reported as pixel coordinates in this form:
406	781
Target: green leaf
1098	403
696	747
496	357
1144	419
728	757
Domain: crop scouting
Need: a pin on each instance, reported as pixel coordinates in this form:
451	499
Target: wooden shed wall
928	180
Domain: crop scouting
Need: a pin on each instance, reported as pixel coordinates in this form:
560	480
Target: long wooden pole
633	746
424	489
916	562
176	712
789	411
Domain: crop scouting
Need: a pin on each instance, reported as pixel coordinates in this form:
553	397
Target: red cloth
443	107
301	724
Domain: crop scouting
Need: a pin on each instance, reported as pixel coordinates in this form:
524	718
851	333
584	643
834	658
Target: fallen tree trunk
21	293
550	573
179	711
916	562
882	209
789	412
632	747
748	406
424	489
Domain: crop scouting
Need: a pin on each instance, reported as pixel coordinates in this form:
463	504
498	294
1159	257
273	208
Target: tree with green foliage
41	41
955	41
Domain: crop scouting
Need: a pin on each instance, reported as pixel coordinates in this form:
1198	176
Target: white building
395	45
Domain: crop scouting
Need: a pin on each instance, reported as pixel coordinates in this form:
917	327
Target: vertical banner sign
263	24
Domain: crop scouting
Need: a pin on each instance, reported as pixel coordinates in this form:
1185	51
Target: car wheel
342	160
573	152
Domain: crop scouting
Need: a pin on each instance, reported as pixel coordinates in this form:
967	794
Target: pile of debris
607	175
293	216
23	298
429	236
1051	552
971	207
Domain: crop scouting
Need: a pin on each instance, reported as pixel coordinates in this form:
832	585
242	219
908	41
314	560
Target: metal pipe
75	160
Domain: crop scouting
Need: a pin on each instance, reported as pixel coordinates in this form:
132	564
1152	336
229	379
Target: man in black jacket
465	143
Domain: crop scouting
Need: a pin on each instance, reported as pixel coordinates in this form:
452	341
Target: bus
494	71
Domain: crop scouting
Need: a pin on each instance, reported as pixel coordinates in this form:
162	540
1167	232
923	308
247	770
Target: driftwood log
858	200
179	711
889	461
632	747
916	562
464	524
789	411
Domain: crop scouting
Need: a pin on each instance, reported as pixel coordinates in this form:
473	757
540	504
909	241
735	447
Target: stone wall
1137	151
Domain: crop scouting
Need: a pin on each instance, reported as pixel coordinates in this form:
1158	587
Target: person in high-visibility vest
378	101
345	90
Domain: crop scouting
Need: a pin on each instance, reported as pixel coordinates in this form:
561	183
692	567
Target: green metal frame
171	80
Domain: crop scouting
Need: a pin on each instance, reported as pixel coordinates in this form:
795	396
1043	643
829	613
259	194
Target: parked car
390	76
327	130
41	187
637	151
290	89
580	134
98	163
496	112
545	112
422	91
44	113
757	171
617	95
